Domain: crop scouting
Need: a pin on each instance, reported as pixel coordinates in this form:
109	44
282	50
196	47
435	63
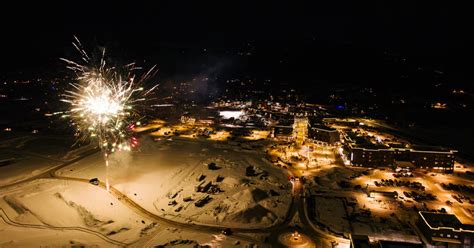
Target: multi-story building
342	122
445	230
363	152
300	130
324	134
282	132
435	158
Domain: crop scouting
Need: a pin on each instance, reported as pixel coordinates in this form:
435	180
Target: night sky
34	35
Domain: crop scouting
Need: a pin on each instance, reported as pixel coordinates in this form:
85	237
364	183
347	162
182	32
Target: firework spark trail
104	100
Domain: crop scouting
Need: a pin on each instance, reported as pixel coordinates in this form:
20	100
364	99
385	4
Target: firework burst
104	101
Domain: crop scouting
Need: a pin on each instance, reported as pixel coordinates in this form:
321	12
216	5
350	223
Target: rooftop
397	145
440	220
430	148
364	142
323	127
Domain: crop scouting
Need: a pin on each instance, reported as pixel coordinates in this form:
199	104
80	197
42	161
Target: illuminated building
300	130
186	119
324	134
432	157
343	122
282	132
362	152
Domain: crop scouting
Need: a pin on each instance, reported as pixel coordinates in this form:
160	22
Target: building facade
325	134
431	158
300	130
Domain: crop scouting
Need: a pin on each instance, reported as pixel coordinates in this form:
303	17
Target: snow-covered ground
31	155
170	178
172	237
25	166
164	177
329	178
12	236
70	204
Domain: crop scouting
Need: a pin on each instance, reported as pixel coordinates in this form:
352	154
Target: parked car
94	181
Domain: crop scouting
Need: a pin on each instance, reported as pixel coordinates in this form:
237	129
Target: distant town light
439	105
237	114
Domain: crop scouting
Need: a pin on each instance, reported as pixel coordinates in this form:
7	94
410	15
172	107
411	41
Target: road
320	238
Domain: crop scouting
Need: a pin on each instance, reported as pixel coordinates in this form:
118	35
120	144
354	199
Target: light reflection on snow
217	241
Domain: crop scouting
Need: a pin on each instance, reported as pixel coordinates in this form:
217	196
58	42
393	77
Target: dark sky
36	34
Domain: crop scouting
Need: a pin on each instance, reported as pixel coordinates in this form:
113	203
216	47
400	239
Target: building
364	152
386	195
342	122
371	157
282	132
325	134
432	157
300	130
187	120
445	230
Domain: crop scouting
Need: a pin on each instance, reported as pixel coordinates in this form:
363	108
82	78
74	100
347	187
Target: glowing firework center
103	105
102	108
